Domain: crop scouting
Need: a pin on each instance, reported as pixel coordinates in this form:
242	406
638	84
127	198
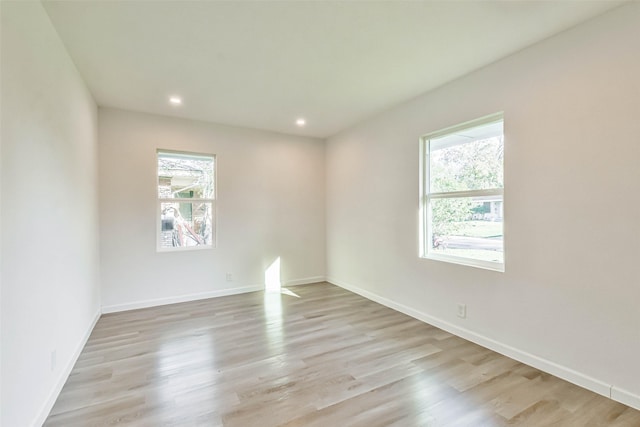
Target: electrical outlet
462	311
53	360
229	277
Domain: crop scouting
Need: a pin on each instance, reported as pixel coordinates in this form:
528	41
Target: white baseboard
304	281
181	298
537	362
625	397
202	295
64	374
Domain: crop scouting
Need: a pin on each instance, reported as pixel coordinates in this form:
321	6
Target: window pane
468	227
186	224
471	159
185	176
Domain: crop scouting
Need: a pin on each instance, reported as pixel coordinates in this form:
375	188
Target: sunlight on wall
272	281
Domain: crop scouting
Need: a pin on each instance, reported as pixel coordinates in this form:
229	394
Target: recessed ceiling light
175	100
301	122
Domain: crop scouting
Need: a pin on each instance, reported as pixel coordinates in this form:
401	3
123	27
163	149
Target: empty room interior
324	213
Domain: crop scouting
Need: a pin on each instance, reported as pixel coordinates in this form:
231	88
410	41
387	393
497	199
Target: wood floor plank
315	355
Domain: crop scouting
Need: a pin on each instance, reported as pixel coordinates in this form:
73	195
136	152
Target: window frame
160	201
426	196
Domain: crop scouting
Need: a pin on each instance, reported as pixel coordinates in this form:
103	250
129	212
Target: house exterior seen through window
186	200
463	194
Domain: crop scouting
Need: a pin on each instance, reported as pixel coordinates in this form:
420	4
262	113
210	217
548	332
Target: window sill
469	262
184	249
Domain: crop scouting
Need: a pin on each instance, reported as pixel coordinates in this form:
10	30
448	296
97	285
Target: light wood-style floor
320	356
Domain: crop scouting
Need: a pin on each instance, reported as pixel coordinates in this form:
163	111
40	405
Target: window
186	200
463	194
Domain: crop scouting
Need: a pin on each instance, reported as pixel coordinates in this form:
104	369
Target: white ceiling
262	64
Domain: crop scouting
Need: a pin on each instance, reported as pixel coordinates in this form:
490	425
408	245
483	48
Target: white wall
270	204
568	301
50	291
